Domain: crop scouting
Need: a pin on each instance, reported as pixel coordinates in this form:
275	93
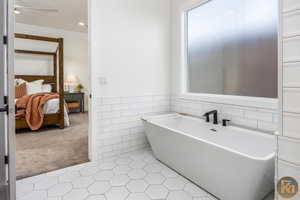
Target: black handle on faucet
224	122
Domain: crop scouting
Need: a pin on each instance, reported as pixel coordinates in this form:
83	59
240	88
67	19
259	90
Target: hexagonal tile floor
132	176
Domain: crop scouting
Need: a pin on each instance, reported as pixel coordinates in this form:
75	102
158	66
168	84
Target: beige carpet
52	148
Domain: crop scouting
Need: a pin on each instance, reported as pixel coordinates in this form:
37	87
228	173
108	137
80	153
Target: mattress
52	107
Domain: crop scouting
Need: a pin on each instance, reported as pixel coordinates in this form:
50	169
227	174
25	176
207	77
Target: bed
55	112
51	108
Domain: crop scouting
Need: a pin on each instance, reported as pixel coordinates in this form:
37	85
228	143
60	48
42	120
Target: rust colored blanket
33	108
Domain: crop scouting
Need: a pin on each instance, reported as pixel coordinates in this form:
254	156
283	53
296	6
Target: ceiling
70	12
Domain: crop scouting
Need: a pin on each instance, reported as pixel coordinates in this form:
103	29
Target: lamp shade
72	79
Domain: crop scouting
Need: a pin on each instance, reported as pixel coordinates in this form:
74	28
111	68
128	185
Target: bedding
46	88
52	106
34	87
20	90
19	81
36	106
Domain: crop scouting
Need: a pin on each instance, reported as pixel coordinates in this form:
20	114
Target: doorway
51	86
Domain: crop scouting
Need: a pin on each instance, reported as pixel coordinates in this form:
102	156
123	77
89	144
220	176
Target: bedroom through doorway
52	85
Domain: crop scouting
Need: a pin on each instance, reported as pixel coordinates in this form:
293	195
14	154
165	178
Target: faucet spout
215	116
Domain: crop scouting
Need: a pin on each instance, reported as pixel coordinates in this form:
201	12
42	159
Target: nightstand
75	101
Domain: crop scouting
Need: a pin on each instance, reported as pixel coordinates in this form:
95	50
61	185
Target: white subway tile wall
251	117
291	51
290	5
291	23
288	162
289	150
291	73
119	125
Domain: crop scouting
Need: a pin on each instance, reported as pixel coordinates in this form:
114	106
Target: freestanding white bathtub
229	162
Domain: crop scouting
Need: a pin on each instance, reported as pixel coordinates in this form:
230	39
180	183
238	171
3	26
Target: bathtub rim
148	120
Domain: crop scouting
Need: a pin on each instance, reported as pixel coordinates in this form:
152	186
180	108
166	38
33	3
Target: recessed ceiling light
17	12
81	24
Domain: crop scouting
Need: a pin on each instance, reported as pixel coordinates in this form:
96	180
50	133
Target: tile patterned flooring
132	176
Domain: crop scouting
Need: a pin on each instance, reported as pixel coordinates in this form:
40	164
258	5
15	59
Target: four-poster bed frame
56	80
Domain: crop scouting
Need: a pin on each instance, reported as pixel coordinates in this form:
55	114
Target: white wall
130	40
75	53
288	140
136	60
259	114
130	51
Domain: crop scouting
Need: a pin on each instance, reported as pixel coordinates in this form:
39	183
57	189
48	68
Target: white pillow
46	87
34	87
19	81
16	82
